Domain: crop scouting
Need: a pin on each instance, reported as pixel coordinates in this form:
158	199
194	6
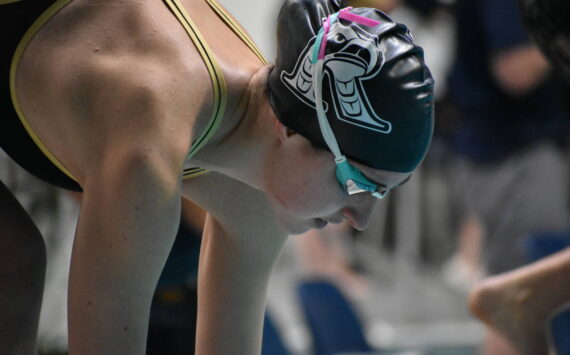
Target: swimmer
141	103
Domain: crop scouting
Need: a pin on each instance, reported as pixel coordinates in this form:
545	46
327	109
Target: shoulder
132	47
144	79
112	79
127	53
137	105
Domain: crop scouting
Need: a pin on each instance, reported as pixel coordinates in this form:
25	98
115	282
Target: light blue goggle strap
350	178
321	35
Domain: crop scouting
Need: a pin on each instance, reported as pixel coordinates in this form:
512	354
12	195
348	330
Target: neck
240	152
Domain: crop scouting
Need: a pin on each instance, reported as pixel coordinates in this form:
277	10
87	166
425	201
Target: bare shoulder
124	71
138	46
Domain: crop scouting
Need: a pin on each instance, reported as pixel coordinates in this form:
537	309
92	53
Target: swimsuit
20	20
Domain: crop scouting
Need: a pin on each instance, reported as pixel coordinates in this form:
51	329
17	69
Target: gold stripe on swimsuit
5	2
246	39
30	33
238	30
216	75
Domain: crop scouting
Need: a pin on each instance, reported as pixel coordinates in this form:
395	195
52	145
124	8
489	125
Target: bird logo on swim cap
376	90
356	60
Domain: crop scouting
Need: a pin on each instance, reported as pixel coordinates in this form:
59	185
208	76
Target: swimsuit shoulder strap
218	82
237	29
216	74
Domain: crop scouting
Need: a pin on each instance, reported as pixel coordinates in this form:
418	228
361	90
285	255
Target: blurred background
401	286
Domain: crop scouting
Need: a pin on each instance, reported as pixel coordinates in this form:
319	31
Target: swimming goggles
350	177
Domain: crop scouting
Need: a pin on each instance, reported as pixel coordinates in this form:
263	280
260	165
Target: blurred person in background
519	304
510	177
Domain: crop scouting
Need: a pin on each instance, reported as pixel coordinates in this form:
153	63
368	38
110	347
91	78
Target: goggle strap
318	60
324	125
344	170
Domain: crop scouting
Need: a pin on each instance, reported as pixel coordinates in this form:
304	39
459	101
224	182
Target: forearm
232	292
240	244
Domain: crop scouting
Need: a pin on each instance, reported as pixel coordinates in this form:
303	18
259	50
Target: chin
289	224
296	230
301	228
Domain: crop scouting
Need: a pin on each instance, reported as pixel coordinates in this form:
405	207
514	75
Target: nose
359	214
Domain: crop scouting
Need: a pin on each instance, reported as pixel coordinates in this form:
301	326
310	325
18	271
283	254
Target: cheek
305	192
289	190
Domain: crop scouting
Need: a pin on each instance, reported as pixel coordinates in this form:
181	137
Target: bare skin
125	81
518	304
117	91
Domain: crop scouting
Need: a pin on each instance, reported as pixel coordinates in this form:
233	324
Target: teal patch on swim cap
316	46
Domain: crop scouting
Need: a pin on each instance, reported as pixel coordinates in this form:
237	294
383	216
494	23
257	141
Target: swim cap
377	91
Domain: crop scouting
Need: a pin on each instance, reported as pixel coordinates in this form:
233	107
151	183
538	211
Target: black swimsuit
15	19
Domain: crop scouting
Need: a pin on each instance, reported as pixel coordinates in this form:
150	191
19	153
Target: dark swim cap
377	90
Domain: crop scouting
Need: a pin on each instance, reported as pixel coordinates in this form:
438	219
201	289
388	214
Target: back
131	43
15	19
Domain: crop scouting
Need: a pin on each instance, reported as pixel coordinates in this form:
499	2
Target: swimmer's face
301	185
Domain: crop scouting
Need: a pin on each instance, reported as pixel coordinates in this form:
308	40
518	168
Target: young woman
140	103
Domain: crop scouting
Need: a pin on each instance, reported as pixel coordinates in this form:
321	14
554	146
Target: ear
283	132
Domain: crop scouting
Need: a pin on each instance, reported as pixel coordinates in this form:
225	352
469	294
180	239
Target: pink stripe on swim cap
326	27
344	14
349	16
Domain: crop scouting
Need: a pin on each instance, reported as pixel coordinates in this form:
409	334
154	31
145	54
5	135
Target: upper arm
132	148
